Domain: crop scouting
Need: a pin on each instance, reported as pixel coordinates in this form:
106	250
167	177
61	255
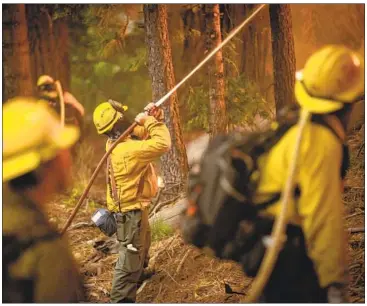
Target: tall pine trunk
42	41
174	163
218	115
284	61
61	34
16	62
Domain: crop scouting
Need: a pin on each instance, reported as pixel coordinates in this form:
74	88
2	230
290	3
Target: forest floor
183	274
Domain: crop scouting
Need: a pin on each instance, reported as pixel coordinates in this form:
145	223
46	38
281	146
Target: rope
62	102
278	232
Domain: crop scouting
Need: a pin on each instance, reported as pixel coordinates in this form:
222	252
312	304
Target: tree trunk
42	41
249	63
218	115
233	14
174	163
16	62
61	33
284	62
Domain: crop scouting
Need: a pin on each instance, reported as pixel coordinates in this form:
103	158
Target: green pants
133	234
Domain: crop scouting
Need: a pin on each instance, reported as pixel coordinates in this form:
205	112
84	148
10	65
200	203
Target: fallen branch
182	262
171	277
160	205
156	200
80	225
353	230
159	292
360	149
174	185
142	286
355	265
355	214
162	249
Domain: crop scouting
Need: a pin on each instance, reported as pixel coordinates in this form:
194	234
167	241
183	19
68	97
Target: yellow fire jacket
134	174
319	210
48	263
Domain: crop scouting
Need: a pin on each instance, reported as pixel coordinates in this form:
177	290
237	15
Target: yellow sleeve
140	132
158	143
321	208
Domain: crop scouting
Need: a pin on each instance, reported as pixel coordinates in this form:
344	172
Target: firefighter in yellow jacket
37	264
132	184
332	79
74	111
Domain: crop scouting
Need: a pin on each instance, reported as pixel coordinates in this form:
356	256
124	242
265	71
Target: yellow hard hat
32	134
45	79
331	77
105	116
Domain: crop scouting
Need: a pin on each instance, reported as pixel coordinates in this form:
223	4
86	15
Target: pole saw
157	104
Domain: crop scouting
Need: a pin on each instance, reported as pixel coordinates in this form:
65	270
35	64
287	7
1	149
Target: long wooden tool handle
62	102
279	227
94	175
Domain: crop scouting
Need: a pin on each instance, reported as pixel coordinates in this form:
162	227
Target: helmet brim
109	127
21	164
314	104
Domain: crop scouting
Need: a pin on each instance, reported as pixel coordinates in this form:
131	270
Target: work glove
141	118
336	293
154	111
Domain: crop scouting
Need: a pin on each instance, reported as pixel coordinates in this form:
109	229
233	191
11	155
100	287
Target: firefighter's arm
140	131
71	100
159	141
321	209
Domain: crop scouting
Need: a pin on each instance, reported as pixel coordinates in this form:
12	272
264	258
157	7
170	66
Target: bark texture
174	163
284	61
61	34
218	115
16	62
41	41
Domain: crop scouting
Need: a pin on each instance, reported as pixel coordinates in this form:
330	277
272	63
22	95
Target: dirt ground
186	275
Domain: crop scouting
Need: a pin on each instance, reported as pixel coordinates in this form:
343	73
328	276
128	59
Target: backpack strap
275	198
112	182
332	123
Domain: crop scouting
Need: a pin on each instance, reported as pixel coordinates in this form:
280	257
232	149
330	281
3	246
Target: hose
62	102
278	232
158	103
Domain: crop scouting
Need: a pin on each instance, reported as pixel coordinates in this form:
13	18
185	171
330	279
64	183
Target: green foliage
243	100
161	230
106	63
82	170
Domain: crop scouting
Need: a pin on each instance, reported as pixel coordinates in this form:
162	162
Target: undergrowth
82	171
161	230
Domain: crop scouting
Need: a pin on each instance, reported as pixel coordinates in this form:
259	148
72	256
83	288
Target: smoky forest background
135	54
